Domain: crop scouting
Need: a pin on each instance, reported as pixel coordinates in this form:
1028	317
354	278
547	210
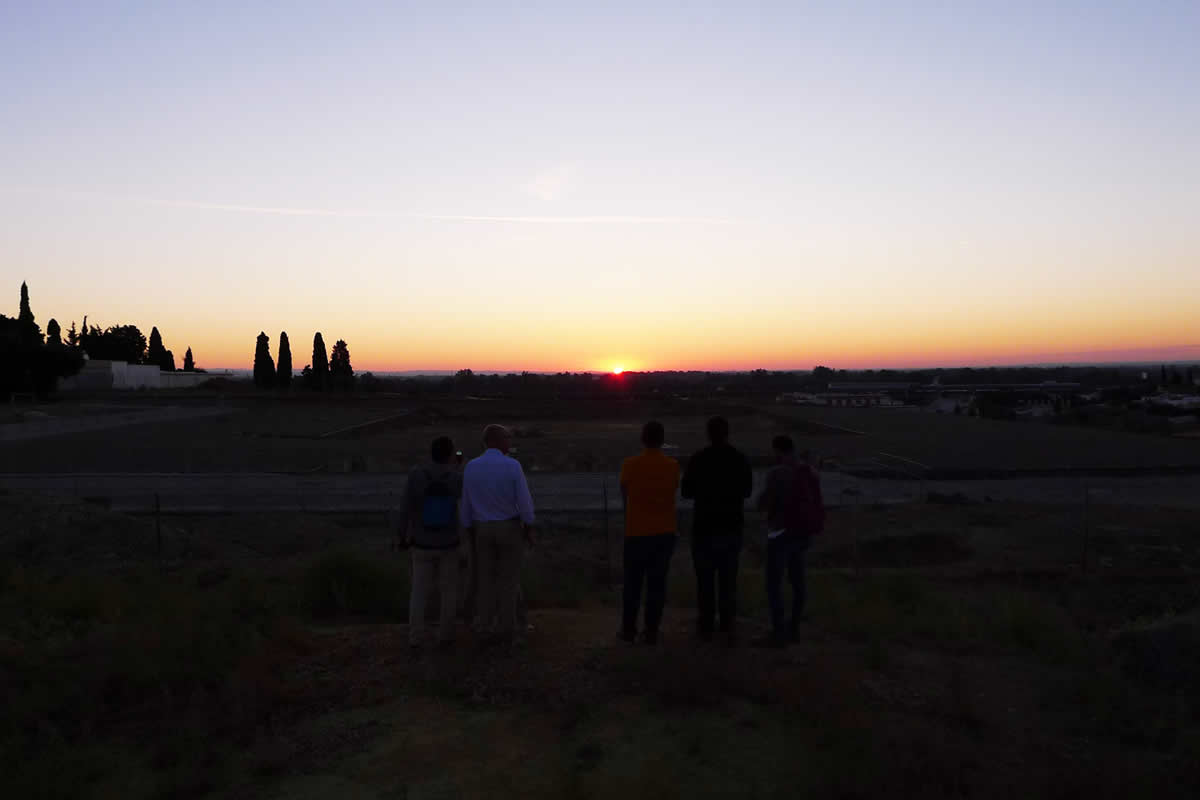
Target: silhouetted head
498	437
441	449
784	448
653	434
718	430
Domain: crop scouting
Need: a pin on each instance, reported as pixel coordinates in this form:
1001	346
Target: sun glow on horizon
617	370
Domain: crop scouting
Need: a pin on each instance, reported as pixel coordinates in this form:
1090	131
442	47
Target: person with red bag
795	510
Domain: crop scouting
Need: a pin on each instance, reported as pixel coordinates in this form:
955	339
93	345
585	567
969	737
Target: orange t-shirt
650	481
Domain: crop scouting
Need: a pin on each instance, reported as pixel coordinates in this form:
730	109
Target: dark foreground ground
953	651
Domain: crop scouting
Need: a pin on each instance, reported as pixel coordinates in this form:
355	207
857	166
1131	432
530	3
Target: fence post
607	536
1086	524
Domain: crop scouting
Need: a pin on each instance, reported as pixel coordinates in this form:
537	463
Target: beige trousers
432	568
499	548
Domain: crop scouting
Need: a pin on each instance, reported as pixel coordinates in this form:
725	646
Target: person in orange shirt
649	483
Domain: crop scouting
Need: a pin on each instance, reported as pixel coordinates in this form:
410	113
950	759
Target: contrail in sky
291	211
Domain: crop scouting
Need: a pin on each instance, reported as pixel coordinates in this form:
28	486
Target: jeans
716	560
785	553
426	564
647	558
499	547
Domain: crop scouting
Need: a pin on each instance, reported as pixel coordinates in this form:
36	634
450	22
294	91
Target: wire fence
885	512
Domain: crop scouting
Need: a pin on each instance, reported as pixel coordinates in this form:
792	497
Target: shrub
341	584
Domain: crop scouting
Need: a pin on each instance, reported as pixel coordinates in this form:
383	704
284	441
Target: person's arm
767	496
524	498
409	511
464	505
816	489
688	487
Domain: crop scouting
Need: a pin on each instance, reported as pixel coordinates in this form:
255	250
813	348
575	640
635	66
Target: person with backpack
429	525
795	510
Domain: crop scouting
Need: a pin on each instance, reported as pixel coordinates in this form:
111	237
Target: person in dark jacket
430	525
791	496
718	480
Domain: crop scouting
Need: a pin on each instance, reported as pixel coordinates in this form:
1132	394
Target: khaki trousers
432	568
499	548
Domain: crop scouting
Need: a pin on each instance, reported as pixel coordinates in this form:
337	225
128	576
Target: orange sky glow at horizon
586	187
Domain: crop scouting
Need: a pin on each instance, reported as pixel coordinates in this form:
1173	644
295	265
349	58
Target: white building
102	375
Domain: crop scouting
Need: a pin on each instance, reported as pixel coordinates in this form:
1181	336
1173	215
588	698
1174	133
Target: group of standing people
491	502
718	480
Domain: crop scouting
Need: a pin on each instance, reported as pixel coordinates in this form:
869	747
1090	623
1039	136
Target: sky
557	187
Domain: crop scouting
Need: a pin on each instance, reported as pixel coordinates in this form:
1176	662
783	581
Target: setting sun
617	370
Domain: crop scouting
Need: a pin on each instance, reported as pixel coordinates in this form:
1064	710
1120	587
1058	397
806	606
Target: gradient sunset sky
549	187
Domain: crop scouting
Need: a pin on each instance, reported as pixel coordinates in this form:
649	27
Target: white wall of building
99	375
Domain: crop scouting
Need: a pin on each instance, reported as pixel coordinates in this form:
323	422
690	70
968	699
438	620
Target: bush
342	584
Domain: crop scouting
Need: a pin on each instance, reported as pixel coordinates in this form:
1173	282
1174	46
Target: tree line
128	343
326	372
33	361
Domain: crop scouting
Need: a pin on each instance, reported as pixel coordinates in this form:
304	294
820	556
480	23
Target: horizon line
443	372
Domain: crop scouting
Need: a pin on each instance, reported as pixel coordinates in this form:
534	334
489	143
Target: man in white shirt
498	509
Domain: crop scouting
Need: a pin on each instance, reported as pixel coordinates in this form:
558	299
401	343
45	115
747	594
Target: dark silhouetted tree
318	374
53	334
28	330
822	374
284	377
1163	375
264	365
156	354
117	343
31	366
73	335
168	362
189	365
83	334
341	374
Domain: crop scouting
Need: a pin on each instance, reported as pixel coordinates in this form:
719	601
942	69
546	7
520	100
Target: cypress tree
168	363
156	353
264	365
320	365
53	334
188	364
284	378
341	374
28	329
73	335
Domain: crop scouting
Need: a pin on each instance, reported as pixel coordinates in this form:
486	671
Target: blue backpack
438	503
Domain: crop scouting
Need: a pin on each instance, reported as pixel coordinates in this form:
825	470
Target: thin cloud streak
289	211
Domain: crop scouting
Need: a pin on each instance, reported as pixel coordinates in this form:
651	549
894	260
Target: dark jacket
718	479
791	496
414	498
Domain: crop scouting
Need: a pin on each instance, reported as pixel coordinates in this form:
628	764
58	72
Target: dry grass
286	672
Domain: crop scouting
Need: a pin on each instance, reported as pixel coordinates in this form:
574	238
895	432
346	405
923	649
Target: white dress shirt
494	489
